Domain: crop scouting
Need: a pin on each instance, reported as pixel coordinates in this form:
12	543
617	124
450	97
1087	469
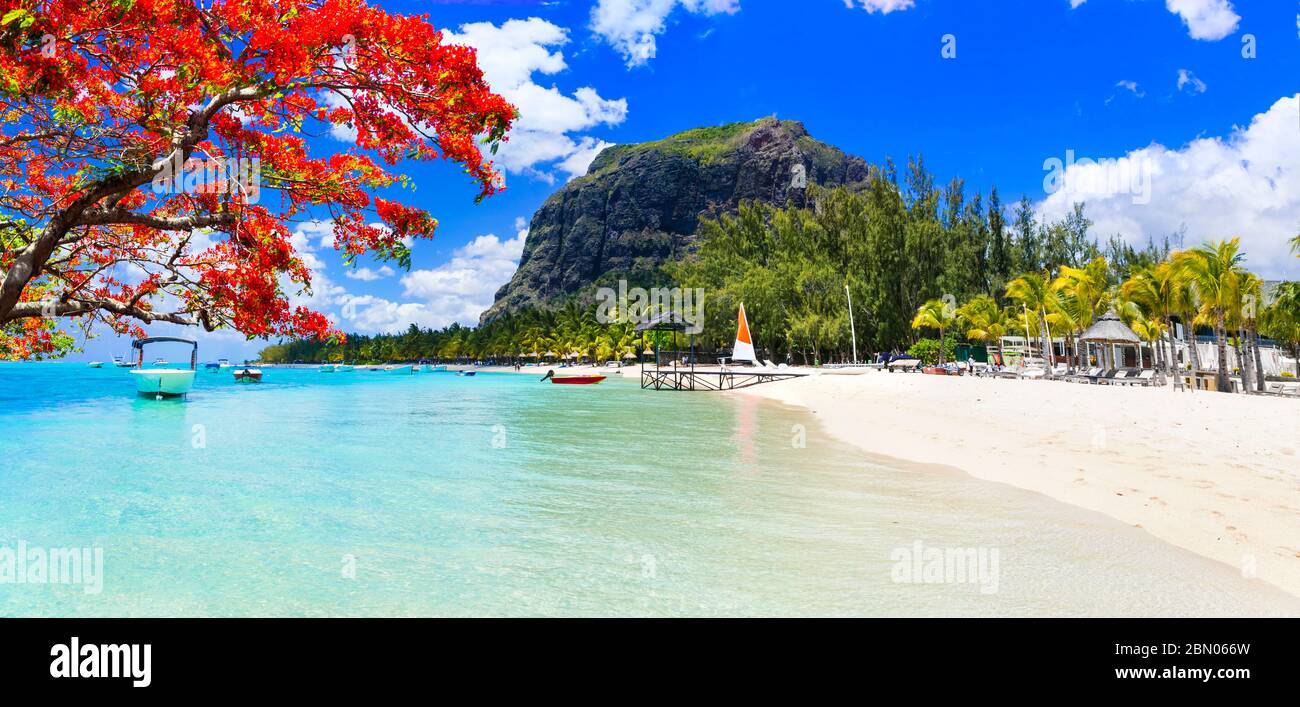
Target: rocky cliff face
638	205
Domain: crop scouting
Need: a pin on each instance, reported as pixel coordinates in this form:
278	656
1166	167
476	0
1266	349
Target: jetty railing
667	378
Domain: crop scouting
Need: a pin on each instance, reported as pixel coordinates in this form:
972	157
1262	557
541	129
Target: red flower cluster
101	100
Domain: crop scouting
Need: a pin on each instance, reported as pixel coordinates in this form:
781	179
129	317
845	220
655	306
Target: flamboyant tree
154	155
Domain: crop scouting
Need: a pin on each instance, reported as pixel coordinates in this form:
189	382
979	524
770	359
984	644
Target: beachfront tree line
898	245
569	332
1205	287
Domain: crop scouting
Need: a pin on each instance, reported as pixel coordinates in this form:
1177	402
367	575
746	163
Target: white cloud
1187	80
630	26
456	291
544	138
1247	185
1206	19
368	275
1076	3
324	293
885	7
1131	86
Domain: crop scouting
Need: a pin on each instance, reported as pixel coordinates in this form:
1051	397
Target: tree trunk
1194	353
941	346
1049	356
1242	349
1174	369
1223	380
1259	361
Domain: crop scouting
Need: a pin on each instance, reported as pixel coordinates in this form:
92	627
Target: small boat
399	369
576	380
223	363
160	361
466	373
344	368
572	380
328	368
248	374
96	364
439	369
415	369
164	382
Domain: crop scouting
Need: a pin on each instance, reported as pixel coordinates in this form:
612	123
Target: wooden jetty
667	378
682	374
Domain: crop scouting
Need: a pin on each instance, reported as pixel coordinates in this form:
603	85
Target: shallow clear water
369	493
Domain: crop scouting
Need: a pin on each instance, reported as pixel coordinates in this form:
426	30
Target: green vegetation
703	144
908	253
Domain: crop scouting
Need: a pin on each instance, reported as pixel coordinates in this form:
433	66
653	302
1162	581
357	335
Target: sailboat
743	350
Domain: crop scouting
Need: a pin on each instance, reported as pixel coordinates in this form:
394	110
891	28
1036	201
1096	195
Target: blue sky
1157	90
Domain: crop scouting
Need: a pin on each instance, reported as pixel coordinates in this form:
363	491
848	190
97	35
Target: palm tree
1295	246
1245	320
984	321
1034	292
1281	319
1149	330
1213	271
936	314
1160	293
1086	288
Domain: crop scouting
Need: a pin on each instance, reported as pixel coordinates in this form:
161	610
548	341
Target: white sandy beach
1216	474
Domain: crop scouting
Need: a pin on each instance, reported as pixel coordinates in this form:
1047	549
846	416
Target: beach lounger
1135	376
1145	377
1084	376
1109	377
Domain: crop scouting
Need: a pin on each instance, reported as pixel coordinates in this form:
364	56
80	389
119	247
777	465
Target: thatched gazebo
1109	331
672	322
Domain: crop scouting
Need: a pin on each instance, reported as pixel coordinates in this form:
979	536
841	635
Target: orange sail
744	348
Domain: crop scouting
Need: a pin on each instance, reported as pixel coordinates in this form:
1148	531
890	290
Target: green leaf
12	15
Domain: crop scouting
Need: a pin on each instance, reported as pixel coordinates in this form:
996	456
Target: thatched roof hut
1109	329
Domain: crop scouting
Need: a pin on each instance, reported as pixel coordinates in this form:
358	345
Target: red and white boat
573	380
248	374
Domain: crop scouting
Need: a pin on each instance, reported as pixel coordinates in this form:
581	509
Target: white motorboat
248	374
96	364
122	362
164	382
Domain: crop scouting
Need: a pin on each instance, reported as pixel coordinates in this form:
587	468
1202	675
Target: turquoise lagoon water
372	493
